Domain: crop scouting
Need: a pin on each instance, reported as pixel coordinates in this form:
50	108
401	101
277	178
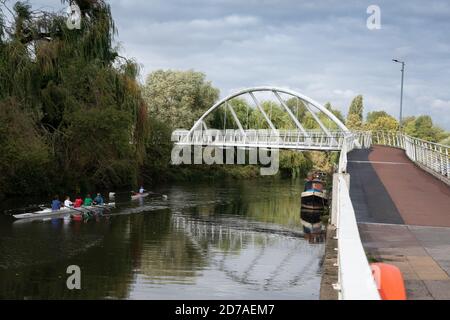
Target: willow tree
79	98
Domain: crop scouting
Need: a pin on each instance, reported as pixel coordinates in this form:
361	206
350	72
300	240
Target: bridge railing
434	156
355	280
283	139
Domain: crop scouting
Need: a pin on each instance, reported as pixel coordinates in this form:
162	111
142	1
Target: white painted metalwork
433	156
309	103
355	276
355	280
266	138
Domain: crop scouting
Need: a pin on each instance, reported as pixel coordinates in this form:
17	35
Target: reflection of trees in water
167	254
270	201
230	240
88	246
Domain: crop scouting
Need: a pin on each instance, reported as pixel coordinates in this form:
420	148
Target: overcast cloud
322	49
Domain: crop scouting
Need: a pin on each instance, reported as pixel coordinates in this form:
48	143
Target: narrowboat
314	197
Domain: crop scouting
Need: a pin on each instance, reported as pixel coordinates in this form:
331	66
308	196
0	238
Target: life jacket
78	203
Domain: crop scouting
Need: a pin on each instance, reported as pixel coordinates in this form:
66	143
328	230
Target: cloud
345	93
322	49
441	105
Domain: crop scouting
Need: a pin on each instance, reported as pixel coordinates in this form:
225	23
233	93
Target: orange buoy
389	281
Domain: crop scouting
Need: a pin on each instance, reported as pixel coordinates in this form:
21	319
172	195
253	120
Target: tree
422	127
374	115
327	121
353	122
336	112
178	98
222	118
278	116
383	123
79	103
355	113
297	107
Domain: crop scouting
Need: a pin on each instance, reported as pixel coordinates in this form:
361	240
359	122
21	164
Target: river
227	240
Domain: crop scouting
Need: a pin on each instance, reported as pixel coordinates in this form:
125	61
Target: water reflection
226	241
313	228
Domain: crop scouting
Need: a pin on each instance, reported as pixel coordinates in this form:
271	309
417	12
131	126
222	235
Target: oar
83	212
80	211
163	195
104	206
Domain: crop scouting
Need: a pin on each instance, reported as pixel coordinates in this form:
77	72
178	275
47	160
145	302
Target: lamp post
401	92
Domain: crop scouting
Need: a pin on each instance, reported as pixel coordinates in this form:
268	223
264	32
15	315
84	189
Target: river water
227	240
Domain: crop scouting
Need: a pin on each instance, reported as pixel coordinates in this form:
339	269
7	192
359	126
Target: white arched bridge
294	121
323	130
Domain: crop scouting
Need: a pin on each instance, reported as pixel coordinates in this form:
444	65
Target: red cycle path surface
420	198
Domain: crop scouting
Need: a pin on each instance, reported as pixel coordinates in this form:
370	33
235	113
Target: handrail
355	280
355	276
433	156
282	139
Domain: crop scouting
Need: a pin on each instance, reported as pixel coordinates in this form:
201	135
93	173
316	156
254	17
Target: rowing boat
139	195
47	212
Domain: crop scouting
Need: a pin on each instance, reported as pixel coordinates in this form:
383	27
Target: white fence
355	280
433	156
263	138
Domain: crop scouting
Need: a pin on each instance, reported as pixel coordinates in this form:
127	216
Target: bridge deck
404	218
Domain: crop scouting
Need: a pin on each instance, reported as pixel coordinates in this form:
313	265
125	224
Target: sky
322	49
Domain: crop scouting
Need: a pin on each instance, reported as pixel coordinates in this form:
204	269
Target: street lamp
401	92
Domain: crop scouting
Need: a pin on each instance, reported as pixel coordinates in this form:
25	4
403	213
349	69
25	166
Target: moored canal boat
314	197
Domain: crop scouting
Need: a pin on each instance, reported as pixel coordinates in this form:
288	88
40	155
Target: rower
87	200
141	190
78	202
67	202
99	199
56	204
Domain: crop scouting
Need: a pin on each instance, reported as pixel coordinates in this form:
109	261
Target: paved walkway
404	218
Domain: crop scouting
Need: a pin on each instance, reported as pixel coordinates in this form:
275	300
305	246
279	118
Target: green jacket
87	202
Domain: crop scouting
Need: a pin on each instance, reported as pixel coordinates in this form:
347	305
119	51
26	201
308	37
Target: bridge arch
309	103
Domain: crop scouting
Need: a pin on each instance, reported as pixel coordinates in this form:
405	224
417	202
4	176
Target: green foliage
446	141
222	117
24	156
336	112
275	113
295	164
330	124
158	152
355	113
297	107
422	127
353	122
374	115
79	109
178	98
381	121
